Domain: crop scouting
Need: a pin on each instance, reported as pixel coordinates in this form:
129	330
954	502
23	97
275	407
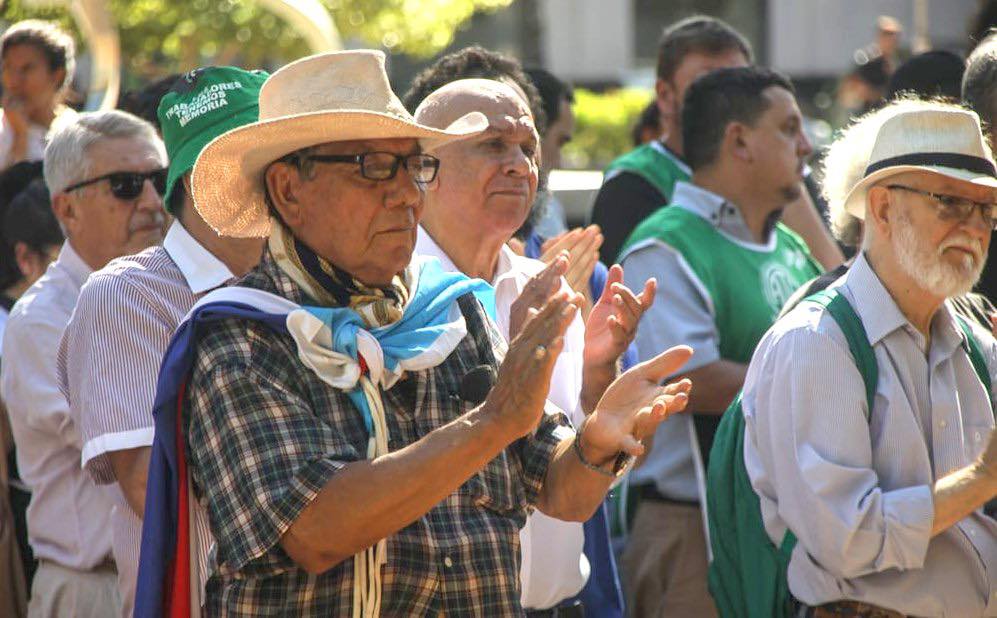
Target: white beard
928	268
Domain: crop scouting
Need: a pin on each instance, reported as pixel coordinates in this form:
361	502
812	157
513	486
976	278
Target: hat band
977	165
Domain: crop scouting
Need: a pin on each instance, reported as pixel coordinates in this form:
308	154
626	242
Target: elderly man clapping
325	414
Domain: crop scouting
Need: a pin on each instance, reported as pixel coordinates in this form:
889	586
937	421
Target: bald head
487	182
496	100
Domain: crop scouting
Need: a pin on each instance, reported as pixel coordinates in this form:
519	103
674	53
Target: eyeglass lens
128	185
953	207
384	165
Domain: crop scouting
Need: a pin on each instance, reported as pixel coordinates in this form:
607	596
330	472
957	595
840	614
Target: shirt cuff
93	454
909	514
272	518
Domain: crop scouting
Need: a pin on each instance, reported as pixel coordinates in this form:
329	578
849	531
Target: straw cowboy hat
945	141
330	97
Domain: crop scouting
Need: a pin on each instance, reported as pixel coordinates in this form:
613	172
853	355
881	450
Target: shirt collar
200	268
504	268
665	150
74	266
721	213
880	314
425	245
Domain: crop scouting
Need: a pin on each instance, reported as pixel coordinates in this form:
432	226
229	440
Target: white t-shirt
36	138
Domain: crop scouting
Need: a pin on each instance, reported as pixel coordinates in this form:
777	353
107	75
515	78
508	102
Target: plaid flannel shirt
265	434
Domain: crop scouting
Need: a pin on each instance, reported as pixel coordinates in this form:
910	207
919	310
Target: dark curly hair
470	63
25	217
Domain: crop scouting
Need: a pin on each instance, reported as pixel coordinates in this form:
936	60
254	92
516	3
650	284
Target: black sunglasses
127	185
384	165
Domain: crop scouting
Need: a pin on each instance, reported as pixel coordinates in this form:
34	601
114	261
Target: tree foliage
159	37
602	126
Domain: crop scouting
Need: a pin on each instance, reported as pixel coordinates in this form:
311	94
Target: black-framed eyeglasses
127	185
954	207
384	165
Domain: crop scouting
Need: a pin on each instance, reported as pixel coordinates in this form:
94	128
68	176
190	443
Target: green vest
747	577
657	168
746	285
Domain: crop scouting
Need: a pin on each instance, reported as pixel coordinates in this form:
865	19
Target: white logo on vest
778	284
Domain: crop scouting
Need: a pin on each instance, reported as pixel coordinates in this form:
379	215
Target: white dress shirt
68	517
129	310
554	567
857	491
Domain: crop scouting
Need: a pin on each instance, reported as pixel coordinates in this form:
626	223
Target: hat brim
855	200
227	181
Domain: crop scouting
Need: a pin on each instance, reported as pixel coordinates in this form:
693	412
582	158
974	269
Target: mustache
143	221
963	241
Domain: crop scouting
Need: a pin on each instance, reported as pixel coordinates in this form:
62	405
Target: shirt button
447	562
977	436
943	424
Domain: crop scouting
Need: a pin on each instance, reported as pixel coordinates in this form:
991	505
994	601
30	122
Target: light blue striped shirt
857	492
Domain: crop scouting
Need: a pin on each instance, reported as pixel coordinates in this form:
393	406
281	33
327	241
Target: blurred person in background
557	98
29	241
642	180
37	60
647	127
928	75
144	102
979	93
864	87
105	173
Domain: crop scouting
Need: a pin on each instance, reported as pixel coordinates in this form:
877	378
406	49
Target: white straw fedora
946	141
332	97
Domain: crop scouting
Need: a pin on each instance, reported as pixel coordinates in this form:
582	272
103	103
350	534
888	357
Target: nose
149	199
977	224
517	162
403	190
804	147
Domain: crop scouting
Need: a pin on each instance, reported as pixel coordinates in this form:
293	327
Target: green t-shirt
746	285
651	163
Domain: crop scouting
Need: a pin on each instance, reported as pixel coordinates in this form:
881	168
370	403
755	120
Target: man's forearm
370	500
714	386
958	494
801	216
571	491
131	470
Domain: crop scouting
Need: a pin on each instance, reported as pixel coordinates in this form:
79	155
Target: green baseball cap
200	106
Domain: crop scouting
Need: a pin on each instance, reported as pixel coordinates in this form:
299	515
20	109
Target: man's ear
737	142
666	98
877	211
66	211
281	182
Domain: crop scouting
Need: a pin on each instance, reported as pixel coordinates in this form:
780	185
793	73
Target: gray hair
848	156
66	160
50	39
979	82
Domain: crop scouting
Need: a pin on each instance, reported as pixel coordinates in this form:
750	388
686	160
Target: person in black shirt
635	185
